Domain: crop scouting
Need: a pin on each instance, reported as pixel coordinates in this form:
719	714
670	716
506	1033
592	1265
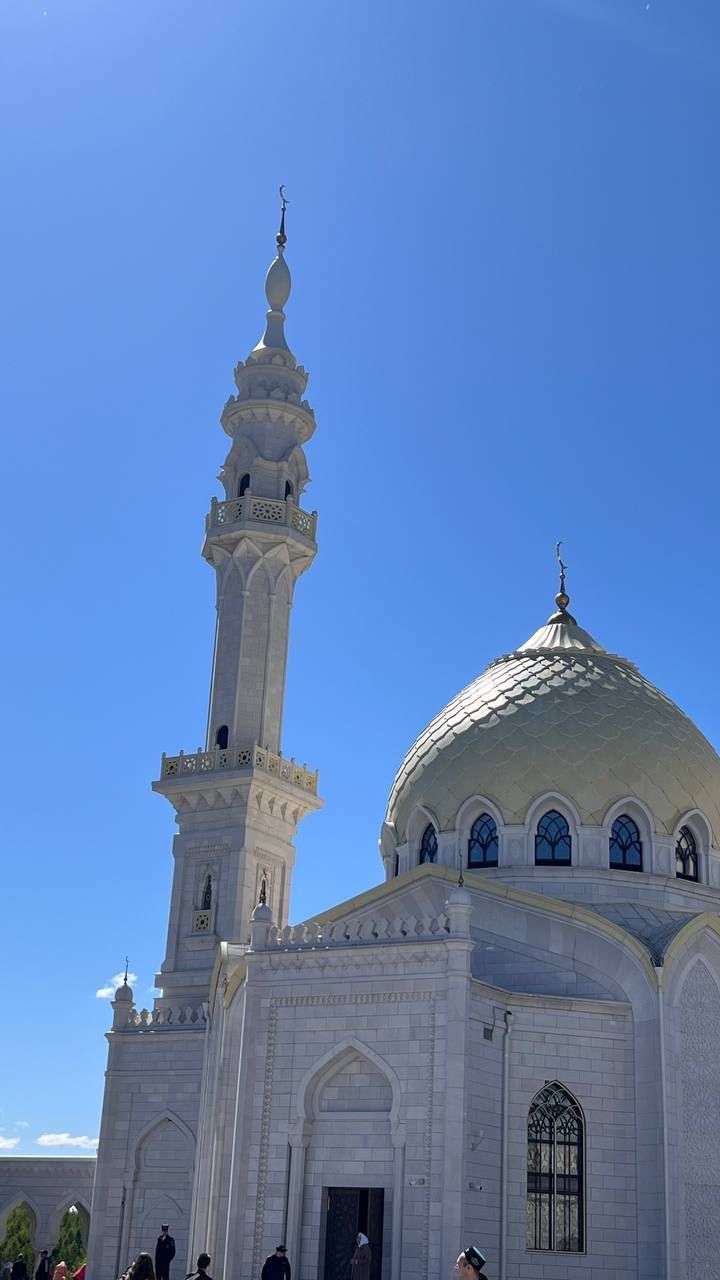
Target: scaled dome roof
560	714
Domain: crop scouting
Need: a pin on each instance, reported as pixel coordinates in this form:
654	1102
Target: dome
560	714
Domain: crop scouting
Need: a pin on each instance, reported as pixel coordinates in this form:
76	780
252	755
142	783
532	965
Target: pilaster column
299	1142
459	951
398	1141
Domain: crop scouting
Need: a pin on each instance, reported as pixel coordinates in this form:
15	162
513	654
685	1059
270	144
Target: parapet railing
249	758
167	1016
269	510
340	933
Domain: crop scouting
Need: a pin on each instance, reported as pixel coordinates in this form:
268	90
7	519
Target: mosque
513	1040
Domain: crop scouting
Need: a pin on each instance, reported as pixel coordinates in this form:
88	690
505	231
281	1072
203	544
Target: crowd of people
46	1269
468	1266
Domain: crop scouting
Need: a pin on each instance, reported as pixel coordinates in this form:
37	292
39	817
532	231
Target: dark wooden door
348	1211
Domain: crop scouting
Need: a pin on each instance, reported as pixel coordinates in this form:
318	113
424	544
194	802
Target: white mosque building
525	1055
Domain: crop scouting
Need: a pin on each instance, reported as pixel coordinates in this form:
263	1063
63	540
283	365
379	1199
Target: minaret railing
266	510
201	762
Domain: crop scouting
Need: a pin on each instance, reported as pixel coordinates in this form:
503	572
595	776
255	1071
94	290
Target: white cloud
22	1124
8	1144
65	1140
107	992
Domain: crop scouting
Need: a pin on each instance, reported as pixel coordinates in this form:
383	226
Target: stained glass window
686	856
483	842
428	844
552	841
555	1179
625	845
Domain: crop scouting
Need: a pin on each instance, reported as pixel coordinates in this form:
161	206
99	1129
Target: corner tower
238	801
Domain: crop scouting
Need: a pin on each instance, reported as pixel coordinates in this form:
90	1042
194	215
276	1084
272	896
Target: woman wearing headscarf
19	1270
360	1264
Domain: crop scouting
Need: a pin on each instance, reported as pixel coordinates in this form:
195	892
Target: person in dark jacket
44	1267
277	1266
203	1263
164	1253
19	1270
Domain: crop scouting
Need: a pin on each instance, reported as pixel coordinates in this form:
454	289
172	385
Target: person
276	1265
79	1274
141	1269
44	1267
19	1270
470	1263
5	1270
203	1263
60	1272
164	1253
360	1261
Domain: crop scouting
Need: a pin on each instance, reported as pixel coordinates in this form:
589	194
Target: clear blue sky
504	239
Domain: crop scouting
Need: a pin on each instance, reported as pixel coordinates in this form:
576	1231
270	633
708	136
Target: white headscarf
361	1239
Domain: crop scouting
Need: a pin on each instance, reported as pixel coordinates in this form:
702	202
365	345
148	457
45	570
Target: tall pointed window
243	484
552	841
428	844
686	856
221	737
483	842
206	903
556	1173
289	492
625	845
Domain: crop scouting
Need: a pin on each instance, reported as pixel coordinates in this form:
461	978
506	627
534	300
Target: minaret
239	801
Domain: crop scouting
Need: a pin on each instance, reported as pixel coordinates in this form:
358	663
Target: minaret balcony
240	759
263	510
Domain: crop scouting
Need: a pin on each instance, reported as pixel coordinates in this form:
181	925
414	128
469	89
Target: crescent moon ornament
281	238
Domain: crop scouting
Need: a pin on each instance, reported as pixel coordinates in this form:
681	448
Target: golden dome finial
281	238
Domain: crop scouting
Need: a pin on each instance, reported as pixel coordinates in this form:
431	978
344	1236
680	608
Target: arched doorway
18	1224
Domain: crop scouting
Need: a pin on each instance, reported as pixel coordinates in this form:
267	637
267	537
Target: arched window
686	856
207	894
483	842
289	491
243	484
428	844
556	1174
552	841
221	737
625	845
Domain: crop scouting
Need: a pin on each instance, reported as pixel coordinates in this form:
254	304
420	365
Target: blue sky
504	244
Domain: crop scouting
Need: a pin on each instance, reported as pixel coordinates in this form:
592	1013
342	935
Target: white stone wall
146	1155
592	1054
384	1068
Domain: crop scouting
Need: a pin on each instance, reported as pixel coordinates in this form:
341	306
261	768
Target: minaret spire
278	284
